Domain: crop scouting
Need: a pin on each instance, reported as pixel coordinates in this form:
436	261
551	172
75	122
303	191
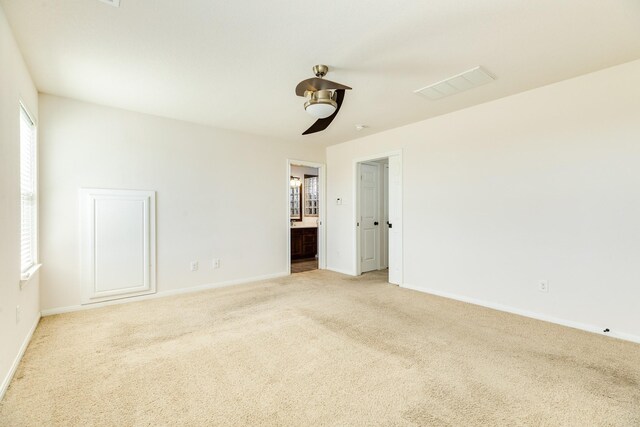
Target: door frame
322	229
384	214
356	205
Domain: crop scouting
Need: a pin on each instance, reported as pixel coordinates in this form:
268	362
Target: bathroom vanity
304	242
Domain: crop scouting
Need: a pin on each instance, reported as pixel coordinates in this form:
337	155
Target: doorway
305	216
378	190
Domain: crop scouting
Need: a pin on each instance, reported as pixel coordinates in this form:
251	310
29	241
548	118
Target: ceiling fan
324	98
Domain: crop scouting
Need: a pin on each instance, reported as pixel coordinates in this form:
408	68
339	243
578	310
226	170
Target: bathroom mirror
295	198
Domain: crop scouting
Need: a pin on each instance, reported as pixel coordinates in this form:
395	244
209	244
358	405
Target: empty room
338	213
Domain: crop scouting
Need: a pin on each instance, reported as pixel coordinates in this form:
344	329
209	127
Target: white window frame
26	271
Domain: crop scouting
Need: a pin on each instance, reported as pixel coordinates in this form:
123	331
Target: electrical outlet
216	263
543	285
194	265
18	314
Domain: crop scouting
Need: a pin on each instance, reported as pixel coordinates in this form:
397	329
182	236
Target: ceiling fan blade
314	84
322	124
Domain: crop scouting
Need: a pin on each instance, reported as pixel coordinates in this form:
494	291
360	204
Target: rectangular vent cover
460	82
114	3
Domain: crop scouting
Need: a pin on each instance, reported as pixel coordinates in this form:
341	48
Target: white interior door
395	220
118	232
369	217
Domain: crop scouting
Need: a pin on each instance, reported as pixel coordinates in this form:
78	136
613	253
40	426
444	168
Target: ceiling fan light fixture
321	104
320	110
324	98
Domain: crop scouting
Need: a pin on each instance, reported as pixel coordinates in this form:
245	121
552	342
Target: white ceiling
235	64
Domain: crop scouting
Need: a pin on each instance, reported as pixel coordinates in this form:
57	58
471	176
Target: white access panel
118	243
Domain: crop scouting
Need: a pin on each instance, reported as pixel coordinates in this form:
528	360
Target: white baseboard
161	294
337	270
539	316
7	379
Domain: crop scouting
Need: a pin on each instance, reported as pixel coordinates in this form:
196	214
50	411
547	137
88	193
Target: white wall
15	85
540	185
205	209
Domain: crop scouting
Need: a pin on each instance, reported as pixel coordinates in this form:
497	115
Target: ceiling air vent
460	82
114	3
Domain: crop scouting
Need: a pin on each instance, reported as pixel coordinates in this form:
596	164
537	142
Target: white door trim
356	205
384	216
322	228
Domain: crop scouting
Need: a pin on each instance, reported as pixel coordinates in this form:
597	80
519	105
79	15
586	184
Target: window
311	202
28	195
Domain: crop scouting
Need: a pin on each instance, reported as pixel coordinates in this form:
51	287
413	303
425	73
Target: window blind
27	191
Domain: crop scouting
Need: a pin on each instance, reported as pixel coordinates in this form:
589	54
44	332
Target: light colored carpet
319	348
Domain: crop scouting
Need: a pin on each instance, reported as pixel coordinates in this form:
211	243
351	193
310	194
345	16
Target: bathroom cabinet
304	242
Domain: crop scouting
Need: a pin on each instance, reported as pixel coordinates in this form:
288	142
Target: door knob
375	223
389	224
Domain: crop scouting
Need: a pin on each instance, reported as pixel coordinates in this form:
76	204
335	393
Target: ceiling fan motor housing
321	103
321	96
